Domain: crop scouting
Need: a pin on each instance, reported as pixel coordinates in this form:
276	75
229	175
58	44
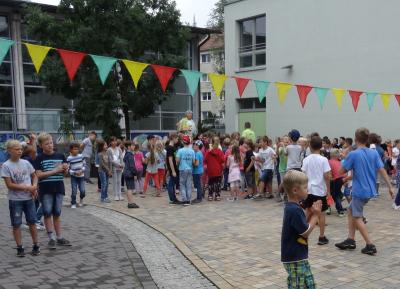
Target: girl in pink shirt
234	161
139	159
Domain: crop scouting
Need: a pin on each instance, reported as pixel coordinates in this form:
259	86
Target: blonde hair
13	143
293	179
215	142
335	153
303	139
43	137
159	146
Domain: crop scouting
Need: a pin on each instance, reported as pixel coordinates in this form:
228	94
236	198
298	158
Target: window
206	115
6	80
204	78
252	47
247	104
206	96
222	96
205	58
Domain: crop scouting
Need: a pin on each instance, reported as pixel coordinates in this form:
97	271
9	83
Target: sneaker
121	198
116	199
269	196
323	240
186	204
329	211
35	250
365	220
196	201
73	206
51	244
235	198
20	252
106	200
123	190
89	181
347	244
395	207
369	249
175	202
40	227
63	242
341	214
133	206
230	199
80	204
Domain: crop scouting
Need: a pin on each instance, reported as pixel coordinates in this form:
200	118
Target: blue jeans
104	185
77	182
226	175
17	208
52	204
171	187
185	182
198	185
39	210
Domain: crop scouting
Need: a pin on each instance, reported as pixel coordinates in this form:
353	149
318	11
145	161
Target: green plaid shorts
300	275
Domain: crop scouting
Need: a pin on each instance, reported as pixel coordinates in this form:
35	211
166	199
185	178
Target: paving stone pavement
100	257
240	241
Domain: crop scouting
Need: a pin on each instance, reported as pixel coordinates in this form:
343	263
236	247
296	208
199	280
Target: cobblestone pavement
240	241
100	257
167	266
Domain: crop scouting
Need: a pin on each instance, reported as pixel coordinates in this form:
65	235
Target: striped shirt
76	164
53	184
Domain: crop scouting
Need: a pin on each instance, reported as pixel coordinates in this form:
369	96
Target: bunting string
72	61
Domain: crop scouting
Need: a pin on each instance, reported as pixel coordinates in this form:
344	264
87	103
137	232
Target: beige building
212	61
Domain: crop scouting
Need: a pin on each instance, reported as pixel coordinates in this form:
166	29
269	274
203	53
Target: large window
252	47
6	77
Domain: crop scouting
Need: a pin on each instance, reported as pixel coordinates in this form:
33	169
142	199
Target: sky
189	8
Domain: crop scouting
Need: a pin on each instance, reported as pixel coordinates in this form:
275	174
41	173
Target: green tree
143	30
216	19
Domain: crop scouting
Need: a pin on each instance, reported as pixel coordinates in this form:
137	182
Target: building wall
341	43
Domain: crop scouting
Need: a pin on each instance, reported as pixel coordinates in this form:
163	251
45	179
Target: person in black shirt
172	168
295	231
249	169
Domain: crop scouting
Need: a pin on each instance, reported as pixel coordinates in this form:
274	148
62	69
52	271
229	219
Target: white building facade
322	43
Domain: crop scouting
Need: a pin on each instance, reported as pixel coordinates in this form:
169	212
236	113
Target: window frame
244	51
209	96
208	59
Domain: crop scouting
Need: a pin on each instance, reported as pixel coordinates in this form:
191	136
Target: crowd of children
312	173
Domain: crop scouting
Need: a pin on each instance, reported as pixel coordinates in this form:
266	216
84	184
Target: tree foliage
216	19
141	30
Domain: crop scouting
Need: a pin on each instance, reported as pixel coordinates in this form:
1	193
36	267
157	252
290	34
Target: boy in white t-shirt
317	169
266	157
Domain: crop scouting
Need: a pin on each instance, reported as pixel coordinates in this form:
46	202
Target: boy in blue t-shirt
185	158
198	170
365	163
295	231
50	168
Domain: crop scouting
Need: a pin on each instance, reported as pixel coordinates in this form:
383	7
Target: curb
196	261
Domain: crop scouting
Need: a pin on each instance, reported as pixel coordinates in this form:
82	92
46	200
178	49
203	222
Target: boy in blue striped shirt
50	168
76	164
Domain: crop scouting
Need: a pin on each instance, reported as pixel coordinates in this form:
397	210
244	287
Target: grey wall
341	43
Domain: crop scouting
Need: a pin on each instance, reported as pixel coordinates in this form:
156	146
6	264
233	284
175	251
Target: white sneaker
40	227
395	207
73	206
121	198
116	199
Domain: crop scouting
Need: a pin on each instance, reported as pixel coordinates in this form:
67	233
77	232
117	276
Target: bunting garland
217	81
241	84
72	61
37	53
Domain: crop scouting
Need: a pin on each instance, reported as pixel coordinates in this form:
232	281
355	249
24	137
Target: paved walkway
240	242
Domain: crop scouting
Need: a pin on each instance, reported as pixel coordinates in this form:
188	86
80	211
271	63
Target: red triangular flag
72	60
164	74
241	84
303	91
398	98
355	98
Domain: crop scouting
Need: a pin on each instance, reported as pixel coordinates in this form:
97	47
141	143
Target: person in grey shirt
293	151
87	151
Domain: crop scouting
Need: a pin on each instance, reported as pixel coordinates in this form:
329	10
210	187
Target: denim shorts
52	204
17	208
357	207
267	176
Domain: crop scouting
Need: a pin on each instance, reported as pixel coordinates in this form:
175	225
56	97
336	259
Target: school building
330	44
26	105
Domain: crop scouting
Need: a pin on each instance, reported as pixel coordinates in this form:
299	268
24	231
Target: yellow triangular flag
385	99
283	89
338	93
217	81
38	53
135	69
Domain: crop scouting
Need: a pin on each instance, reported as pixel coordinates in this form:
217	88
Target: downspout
198	61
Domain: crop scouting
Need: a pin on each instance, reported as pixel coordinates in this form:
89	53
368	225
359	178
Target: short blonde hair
293	179
303	139
43	137
335	152
13	143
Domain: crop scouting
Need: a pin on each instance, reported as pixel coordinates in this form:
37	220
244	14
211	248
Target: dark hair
127	143
362	135
93	132
100	145
247	124
250	144
314	134
73	145
316	143
173	136
113	138
336	139
374	138
342	138
349	141
241	141
265	139
136	147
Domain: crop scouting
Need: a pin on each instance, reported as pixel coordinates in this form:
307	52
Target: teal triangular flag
261	87
104	65
321	92
5	45
371	99
192	79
